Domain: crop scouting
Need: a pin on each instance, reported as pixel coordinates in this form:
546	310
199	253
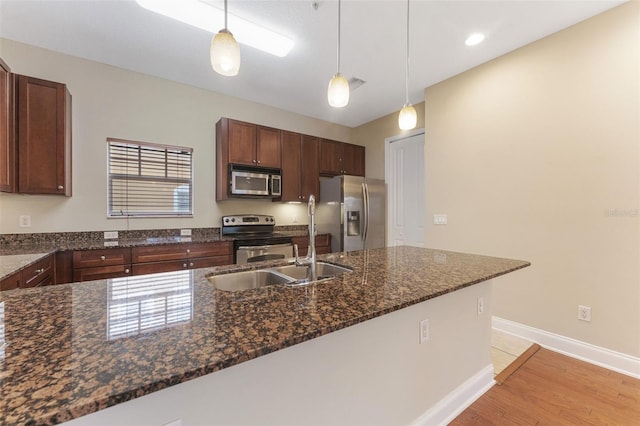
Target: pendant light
225	52
338	92
407	119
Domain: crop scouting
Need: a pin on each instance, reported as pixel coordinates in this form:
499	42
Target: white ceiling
121	33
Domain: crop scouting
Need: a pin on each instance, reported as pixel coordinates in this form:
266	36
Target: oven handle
270	246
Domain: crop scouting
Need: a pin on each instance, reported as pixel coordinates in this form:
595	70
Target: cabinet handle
126	271
103	258
188	250
258	161
184	265
254	161
60	187
191	265
39	271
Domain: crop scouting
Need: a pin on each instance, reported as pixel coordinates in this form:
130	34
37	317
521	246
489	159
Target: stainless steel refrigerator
352	209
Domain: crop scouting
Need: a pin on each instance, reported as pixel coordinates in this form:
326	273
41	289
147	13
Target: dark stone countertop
69	353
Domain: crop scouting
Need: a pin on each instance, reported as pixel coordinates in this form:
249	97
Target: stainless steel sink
301	273
246	280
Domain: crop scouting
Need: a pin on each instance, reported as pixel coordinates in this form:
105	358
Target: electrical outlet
185	232
424	330
110	235
480	305
584	313
439	219
25	221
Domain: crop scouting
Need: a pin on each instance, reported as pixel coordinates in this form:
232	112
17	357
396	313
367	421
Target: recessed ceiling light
206	17
473	39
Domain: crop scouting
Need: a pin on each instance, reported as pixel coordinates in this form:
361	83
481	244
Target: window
149	179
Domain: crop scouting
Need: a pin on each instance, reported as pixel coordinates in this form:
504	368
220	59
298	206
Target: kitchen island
145	346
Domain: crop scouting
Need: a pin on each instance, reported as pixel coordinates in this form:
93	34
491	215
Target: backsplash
67	238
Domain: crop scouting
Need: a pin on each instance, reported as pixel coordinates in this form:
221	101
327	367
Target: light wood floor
553	389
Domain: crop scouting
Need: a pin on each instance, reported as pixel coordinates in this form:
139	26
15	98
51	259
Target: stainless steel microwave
244	182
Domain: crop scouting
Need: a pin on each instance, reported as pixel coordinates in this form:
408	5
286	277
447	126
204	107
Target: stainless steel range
255	239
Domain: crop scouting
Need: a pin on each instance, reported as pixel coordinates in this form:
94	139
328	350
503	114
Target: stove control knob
226	220
233	219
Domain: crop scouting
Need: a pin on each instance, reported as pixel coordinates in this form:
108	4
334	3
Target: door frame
387	172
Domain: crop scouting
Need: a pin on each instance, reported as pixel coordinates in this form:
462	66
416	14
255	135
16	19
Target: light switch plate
439	219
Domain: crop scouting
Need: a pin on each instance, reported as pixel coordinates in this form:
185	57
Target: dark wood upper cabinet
253	145
330	157
7	137
353	159
300	176
43	114
339	158
246	144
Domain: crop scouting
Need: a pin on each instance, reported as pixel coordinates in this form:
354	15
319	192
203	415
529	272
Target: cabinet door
11	282
309	169
7	140
242	143
353	159
268	147
44	137
330	157
291	178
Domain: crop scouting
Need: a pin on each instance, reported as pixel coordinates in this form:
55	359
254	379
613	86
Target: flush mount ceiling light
473	39
206	17
225	52
407	119
338	91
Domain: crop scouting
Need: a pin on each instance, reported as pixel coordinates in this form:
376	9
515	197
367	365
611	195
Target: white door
406	201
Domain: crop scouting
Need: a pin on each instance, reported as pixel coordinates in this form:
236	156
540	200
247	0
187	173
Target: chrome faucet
310	259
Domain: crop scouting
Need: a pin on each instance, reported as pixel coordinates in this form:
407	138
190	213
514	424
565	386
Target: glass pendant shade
338	92
225	54
407	119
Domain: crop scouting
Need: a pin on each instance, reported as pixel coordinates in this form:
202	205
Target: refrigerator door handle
365	197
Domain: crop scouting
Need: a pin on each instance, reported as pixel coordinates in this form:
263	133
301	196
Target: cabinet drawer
177	265
155	267
12	281
210	249
38	274
208	262
159	253
101	272
102	257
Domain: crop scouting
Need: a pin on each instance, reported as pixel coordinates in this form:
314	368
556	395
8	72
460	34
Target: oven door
248	254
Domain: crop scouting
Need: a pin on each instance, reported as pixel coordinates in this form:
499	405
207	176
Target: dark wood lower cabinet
101	272
38	274
11	282
323	244
124	261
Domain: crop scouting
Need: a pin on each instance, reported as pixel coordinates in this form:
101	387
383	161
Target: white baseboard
457	401
612	360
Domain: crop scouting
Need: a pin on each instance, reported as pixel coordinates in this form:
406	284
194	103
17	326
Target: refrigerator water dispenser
353	223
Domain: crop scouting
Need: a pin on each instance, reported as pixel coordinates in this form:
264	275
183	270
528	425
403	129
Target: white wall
528	155
113	102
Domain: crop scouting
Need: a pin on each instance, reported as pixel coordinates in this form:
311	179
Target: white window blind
148	179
